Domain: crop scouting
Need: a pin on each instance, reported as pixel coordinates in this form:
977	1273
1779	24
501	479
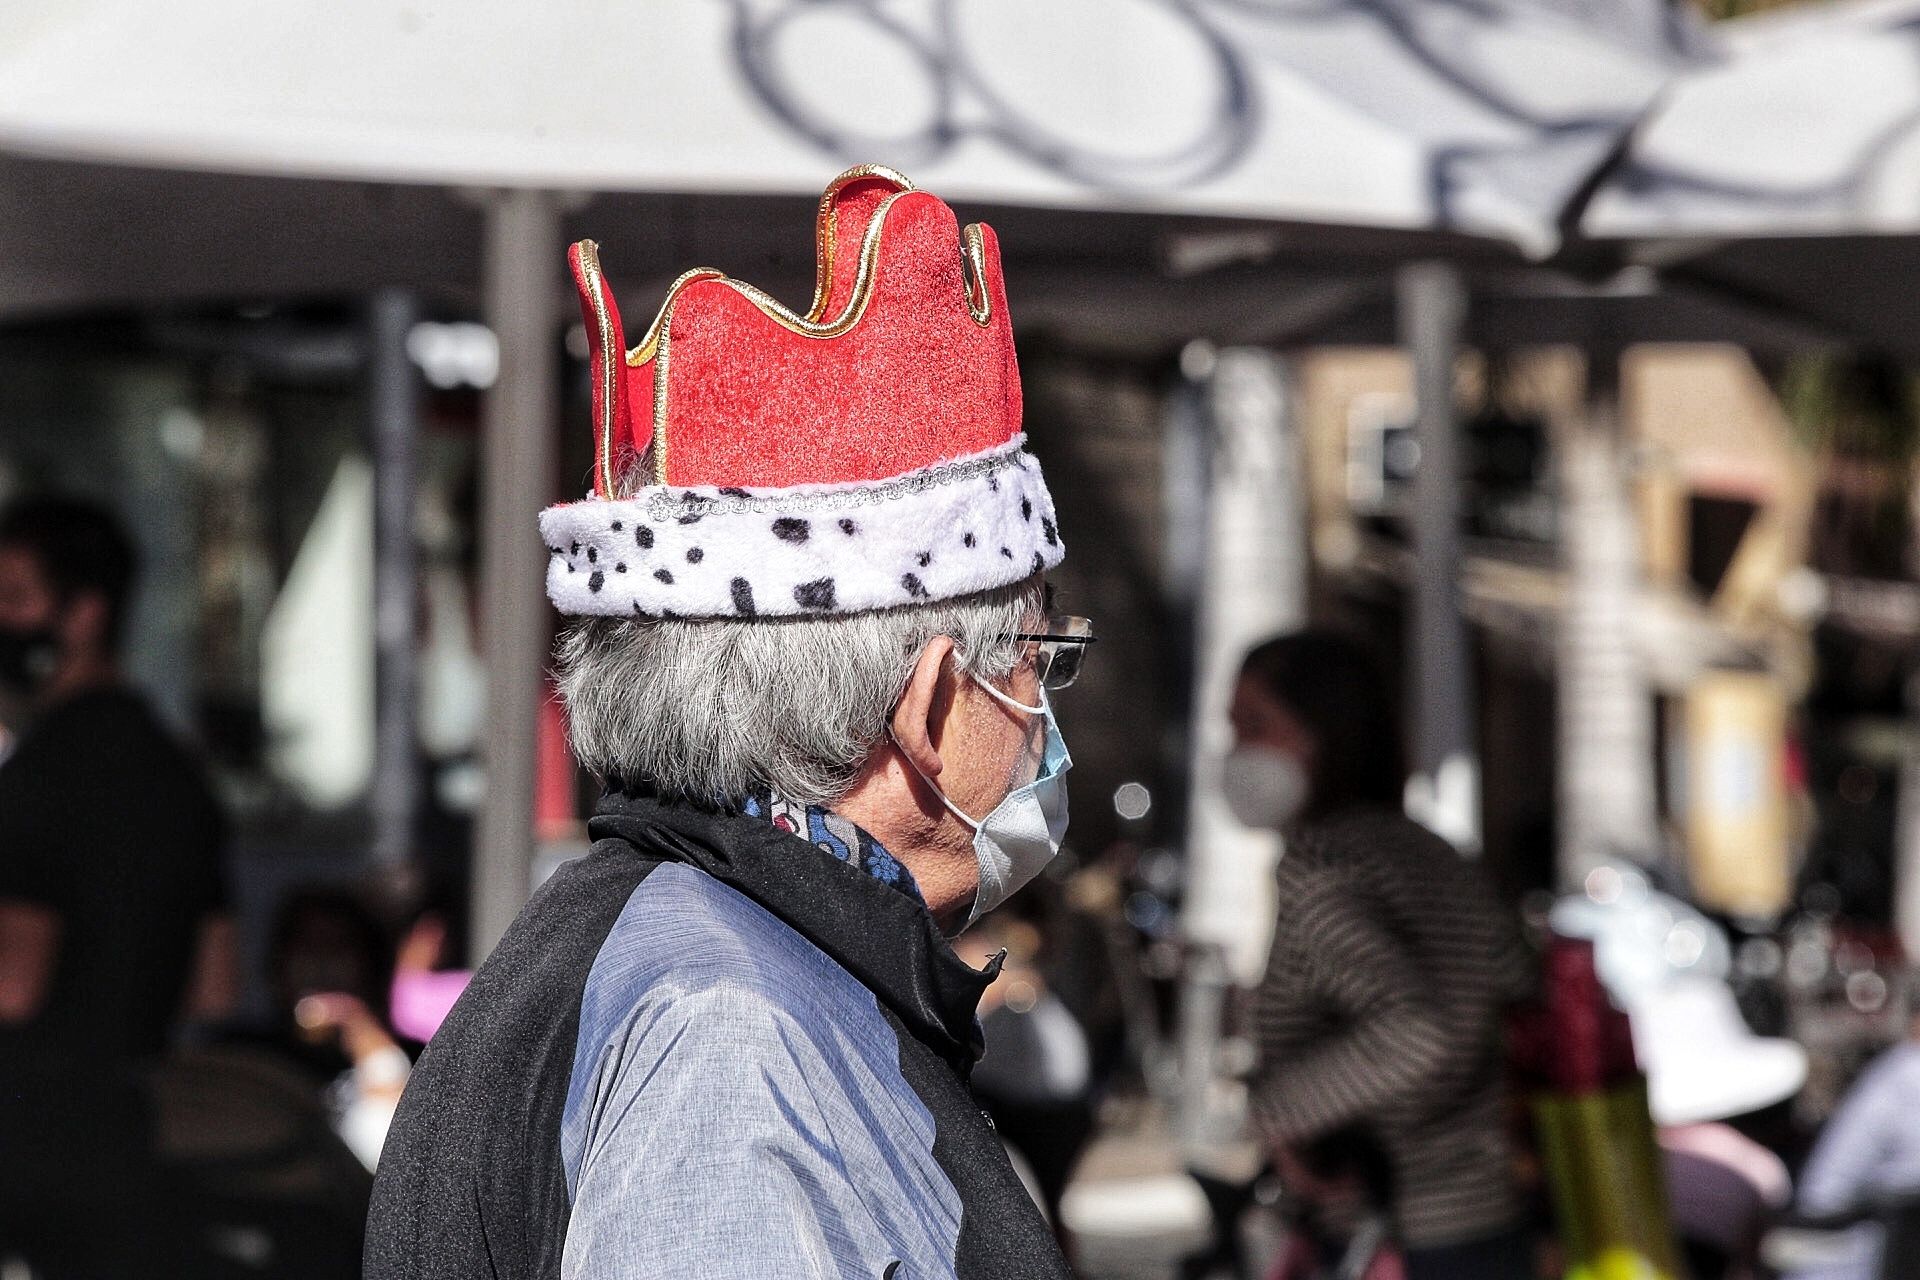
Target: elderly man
734	1040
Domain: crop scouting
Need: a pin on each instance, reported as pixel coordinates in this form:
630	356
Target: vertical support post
519	426
1444	790
1906	828
393	411
1608	806
1253	585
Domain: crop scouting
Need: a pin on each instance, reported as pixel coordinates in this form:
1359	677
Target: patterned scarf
839	836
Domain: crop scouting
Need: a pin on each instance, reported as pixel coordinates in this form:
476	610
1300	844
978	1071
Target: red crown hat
754	462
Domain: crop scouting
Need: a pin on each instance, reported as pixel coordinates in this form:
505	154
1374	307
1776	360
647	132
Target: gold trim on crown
604	372
826	222
655	344
979	301
805	326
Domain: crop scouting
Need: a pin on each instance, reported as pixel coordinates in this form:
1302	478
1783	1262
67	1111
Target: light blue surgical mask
1023	833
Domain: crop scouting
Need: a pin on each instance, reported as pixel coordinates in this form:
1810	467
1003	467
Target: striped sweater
1381	1006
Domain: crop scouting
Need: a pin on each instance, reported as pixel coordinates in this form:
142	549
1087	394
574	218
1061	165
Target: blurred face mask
28	658
1023	833
1264	787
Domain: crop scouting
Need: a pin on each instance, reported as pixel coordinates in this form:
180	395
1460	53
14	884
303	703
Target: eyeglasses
1061	649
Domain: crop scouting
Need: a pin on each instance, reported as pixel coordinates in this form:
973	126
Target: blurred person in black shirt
113	919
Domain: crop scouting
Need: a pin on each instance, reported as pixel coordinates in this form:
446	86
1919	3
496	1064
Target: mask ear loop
934	787
1007	699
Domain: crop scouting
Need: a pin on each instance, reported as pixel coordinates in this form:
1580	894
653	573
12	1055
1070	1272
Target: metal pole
393	411
519	427
1906	828
1253	586
1444	791
1608	807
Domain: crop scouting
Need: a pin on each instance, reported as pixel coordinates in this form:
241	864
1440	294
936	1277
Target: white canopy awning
1785	177
1810	126
1480	118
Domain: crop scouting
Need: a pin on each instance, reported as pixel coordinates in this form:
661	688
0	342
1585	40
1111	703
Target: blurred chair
258	1183
1827	1247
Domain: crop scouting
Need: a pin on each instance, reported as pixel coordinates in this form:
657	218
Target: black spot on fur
1026	508
597	581
575	551
993	483
593	555
694	504
663	576
621	567
1039	562
1007	552
848	527
925	558
643	534
553	550
912	584
743	597
1052	534
733	492
618	526
693	518
695	555
817	594
791	529
968	540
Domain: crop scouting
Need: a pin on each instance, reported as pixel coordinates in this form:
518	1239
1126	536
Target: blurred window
233	444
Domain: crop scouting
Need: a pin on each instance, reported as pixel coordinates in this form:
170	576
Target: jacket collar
881	936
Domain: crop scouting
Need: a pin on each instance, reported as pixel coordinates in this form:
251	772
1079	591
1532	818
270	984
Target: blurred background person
113	909
270	1133
331	968
427	980
1866	1165
1379	1018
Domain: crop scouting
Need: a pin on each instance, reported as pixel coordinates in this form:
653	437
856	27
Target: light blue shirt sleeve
717	1143
1870	1147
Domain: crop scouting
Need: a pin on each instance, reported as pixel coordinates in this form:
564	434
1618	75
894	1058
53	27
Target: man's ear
83	623
920	717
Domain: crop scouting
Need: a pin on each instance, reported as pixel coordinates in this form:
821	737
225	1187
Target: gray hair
707	709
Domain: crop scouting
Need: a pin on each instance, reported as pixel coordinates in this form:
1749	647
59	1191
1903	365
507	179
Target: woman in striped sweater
1392	962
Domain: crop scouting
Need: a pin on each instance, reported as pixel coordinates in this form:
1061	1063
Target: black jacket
708	1048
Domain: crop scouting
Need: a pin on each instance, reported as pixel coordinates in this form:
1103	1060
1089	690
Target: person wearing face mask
1379	1017
113	923
812	654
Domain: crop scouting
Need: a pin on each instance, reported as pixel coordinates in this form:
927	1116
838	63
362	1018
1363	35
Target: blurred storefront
235	444
1645	525
1772	630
